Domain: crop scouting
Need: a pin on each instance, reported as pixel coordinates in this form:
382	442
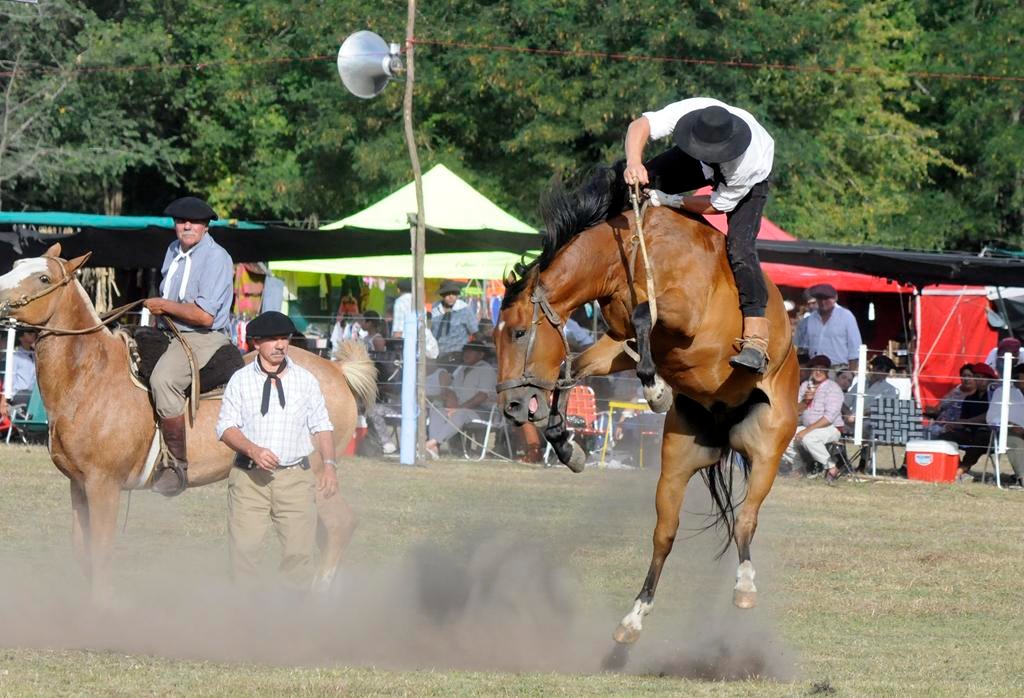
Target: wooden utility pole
417	233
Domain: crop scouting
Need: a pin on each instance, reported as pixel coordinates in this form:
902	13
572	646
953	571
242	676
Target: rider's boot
172	477
753	354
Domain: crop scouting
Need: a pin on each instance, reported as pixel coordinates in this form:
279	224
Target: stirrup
180	472
750	358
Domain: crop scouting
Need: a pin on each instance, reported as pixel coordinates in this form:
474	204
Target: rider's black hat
190	208
270	324
712	134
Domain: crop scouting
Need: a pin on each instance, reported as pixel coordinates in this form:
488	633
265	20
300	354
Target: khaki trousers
171	376
285	498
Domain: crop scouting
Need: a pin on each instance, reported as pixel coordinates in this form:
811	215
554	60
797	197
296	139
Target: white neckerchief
187	256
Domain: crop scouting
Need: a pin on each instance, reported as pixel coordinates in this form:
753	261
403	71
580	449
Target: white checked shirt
284	430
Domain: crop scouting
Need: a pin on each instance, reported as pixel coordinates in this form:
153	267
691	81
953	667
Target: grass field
471	579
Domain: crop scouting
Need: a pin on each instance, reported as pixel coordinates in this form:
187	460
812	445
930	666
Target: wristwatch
332	463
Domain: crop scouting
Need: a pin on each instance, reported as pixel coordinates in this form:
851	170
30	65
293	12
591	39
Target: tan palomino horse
102	424
589	254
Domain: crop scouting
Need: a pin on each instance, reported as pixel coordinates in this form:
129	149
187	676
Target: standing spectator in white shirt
272	412
831	331
402	308
726	147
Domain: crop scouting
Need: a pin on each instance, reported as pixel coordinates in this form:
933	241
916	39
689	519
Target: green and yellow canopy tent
457	216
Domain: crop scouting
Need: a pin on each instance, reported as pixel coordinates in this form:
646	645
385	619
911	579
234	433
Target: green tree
69	137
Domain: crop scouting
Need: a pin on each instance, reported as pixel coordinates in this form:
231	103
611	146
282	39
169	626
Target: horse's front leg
103	495
681	457
569	453
656	391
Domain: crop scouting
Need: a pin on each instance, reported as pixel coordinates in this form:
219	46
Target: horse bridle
8	305
541	305
16	303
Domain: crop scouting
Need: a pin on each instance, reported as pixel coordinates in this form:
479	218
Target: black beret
190	208
270	324
822	291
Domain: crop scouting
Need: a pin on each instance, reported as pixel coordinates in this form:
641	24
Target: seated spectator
971	432
947	412
820	408
346	327
485	332
1007	345
388	404
373	328
1015	431
469	392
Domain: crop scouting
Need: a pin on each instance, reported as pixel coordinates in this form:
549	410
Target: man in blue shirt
196	295
831	331
452	322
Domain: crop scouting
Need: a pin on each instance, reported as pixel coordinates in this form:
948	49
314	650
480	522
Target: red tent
805	277
952	329
951	322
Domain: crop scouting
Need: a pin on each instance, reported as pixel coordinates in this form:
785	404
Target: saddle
147	344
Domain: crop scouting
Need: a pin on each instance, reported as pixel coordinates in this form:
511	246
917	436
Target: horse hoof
577	460
658	396
744	599
626	636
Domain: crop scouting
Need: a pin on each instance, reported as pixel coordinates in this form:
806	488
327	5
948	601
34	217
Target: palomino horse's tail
719	480
360	372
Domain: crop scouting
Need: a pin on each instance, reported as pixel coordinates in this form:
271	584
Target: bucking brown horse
590	253
102	424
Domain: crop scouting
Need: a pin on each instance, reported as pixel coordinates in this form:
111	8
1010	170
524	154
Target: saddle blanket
147	344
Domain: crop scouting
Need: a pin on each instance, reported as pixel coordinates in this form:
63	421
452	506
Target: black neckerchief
272	378
717	177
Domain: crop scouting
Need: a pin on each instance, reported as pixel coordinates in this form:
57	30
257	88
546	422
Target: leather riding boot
172	477
754	345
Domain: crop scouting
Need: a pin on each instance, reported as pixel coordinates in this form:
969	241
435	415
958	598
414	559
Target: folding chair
992	458
29	420
494	423
893	423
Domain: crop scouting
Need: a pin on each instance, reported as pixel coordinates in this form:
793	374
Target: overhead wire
553	52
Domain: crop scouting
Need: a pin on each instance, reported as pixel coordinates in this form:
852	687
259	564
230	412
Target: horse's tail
360	371
719	480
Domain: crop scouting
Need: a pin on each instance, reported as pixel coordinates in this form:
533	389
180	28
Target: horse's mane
568	209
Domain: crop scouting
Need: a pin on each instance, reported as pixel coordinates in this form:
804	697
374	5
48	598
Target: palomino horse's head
30	292
530	347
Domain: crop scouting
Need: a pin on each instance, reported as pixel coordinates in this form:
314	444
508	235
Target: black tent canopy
144	247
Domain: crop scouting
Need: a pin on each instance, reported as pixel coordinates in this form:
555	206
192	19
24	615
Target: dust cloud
491	601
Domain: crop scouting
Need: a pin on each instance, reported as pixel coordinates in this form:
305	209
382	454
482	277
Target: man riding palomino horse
195	294
724	146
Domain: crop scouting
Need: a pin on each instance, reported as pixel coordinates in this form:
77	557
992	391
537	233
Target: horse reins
541	305
638	214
